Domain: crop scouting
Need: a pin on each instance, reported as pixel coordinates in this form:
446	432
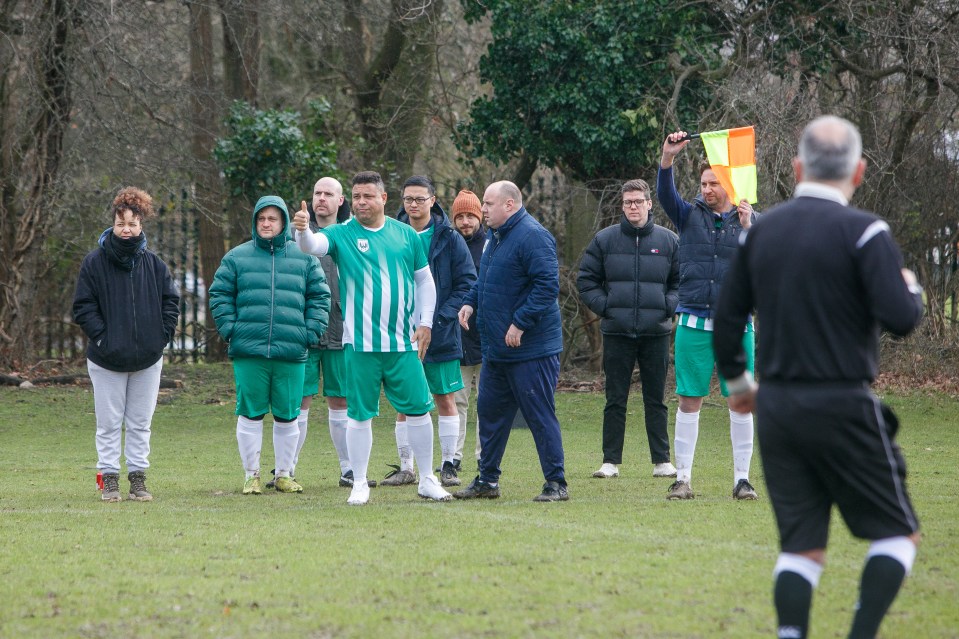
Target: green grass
617	560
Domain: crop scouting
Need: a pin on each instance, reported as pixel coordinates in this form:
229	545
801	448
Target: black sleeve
591	279
895	307
732	311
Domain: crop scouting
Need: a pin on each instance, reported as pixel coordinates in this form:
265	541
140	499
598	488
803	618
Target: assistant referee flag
732	157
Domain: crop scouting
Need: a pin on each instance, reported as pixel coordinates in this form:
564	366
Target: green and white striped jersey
376	283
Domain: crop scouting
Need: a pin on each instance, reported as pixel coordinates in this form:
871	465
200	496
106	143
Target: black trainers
553	491
111	487
138	486
478	489
448	476
744	490
346	480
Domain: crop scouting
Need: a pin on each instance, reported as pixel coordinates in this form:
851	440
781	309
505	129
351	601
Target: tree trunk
241	78
206	188
34	113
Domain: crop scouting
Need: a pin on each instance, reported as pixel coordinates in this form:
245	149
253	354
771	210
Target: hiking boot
478	489
252	486
607	470
138	486
744	490
430	489
664	469
680	490
398	477
359	495
448	476
111	487
346	480
553	491
287	485
272	483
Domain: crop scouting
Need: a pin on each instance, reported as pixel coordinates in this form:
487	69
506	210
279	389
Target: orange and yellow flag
732	157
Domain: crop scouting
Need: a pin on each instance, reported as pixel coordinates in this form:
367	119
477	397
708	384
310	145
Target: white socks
687	432
403	445
359	443
249	438
741	436
337	420
420	431
449	430
286	436
303	421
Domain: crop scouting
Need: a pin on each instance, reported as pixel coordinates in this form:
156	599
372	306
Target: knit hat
467	202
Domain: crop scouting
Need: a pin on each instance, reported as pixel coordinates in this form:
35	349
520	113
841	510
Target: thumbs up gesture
301	219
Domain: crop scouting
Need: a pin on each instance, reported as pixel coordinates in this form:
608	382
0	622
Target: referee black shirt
824	278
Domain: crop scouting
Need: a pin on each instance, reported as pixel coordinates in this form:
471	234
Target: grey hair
830	148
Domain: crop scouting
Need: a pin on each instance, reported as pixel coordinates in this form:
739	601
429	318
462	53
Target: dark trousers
620	354
529	387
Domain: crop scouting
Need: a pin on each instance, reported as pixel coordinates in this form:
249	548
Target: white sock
420	430
303	421
687	432
249	438
338	435
449	428
285	437
403	446
741	435
359	443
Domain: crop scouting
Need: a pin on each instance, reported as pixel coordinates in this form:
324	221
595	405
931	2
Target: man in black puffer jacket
629	276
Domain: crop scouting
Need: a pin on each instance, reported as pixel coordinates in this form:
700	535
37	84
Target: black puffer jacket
127	303
630	277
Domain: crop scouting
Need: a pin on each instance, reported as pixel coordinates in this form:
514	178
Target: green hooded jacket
269	299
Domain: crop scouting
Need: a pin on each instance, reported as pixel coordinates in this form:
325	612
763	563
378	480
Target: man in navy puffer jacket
515	298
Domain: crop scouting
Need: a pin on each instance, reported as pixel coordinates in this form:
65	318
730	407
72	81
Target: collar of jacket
478	236
631	231
123	253
510	223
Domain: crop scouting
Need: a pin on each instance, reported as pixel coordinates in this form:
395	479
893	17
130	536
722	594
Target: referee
824	279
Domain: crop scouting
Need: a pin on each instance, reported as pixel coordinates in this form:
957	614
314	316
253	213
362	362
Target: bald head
500	201
327	198
830	150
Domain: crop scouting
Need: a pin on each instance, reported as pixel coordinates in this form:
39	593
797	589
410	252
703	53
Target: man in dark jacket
515	298
629	276
468	220
453	275
709	229
826	440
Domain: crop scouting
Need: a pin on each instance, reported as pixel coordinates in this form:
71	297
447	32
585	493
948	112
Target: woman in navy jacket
127	304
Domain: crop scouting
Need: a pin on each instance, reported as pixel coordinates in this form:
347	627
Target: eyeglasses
420	201
628	204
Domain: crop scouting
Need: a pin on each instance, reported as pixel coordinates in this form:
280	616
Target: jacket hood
436	212
281	238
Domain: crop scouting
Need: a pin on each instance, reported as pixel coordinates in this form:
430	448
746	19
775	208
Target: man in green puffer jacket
270	302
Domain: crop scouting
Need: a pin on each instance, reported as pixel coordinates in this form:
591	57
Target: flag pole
688	136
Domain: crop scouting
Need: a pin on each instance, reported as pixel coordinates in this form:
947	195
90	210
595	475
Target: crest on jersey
363	245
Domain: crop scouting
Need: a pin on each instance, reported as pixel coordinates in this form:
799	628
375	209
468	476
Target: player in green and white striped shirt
384	276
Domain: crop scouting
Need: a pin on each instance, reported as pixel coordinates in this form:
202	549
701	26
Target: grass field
617	560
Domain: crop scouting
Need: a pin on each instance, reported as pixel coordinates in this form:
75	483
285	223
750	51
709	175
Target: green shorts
400	374
328	364
695	360
268	386
443	378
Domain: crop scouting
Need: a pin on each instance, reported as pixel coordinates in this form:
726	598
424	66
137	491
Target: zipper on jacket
636	284
133	296
269	337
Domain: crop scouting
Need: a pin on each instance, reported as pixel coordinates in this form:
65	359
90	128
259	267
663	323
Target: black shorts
825	444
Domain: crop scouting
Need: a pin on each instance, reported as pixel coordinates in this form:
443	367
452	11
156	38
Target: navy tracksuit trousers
529	387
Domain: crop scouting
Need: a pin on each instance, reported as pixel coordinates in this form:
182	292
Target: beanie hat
467	202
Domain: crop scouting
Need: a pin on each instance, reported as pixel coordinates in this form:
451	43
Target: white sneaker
360	494
607	470
430	489
664	470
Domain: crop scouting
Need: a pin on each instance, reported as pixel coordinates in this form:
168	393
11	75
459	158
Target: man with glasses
629	276
453	274
709	229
